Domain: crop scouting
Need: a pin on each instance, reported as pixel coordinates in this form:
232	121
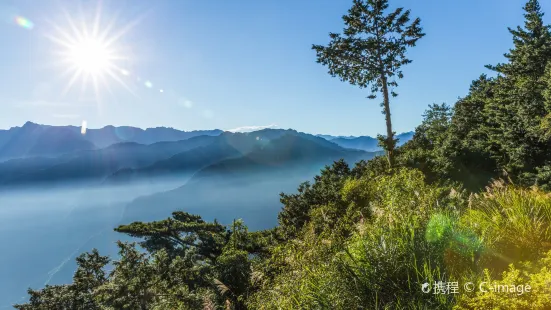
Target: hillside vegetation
466	201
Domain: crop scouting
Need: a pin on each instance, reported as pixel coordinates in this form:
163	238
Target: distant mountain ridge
31	139
365	143
109	135
38	140
126	162
93	165
247	181
44	140
331	137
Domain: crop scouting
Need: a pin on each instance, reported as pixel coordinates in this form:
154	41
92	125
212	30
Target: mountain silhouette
235	187
367	143
43	155
96	164
33	140
262	146
109	135
44	140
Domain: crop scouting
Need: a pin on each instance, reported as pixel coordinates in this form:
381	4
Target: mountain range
33	139
43	140
365	143
244	184
43	155
50	155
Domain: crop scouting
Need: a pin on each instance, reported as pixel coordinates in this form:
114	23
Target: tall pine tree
532	45
371	52
518	107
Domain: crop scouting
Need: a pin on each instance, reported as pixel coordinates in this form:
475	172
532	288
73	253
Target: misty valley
62	193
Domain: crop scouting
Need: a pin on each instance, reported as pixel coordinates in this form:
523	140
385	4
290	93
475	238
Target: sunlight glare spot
23	22
125	72
91	56
148	84
83	127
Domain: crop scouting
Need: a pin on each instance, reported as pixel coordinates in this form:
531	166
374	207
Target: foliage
380	264
90	275
537	276
326	189
513	223
500	129
179	235
371	52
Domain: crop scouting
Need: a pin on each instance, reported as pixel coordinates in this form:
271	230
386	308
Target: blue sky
232	64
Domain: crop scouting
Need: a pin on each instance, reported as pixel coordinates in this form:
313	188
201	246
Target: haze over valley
63	192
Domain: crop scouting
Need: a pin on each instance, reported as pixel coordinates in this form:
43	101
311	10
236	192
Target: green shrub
513	223
380	264
537	276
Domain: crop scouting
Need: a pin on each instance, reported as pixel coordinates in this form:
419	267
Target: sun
90	50
91	56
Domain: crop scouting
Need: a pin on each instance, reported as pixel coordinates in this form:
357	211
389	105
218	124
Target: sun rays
90	51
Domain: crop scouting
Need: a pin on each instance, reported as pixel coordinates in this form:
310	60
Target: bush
396	232
381	263
537	276
513	223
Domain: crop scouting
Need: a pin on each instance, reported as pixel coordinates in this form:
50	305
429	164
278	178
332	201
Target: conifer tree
371	52
532	45
518	109
180	234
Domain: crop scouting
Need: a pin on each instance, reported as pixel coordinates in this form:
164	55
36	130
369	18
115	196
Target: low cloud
252	128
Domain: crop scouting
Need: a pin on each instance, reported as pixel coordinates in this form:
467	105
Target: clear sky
231	64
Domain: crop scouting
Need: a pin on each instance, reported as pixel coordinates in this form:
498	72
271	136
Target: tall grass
417	233
514	224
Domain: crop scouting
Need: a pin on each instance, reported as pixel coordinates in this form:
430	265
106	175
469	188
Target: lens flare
91	50
83	127
23	22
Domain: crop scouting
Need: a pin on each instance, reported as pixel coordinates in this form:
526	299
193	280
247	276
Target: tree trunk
389	133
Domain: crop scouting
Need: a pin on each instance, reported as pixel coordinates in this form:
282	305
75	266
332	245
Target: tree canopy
371	52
